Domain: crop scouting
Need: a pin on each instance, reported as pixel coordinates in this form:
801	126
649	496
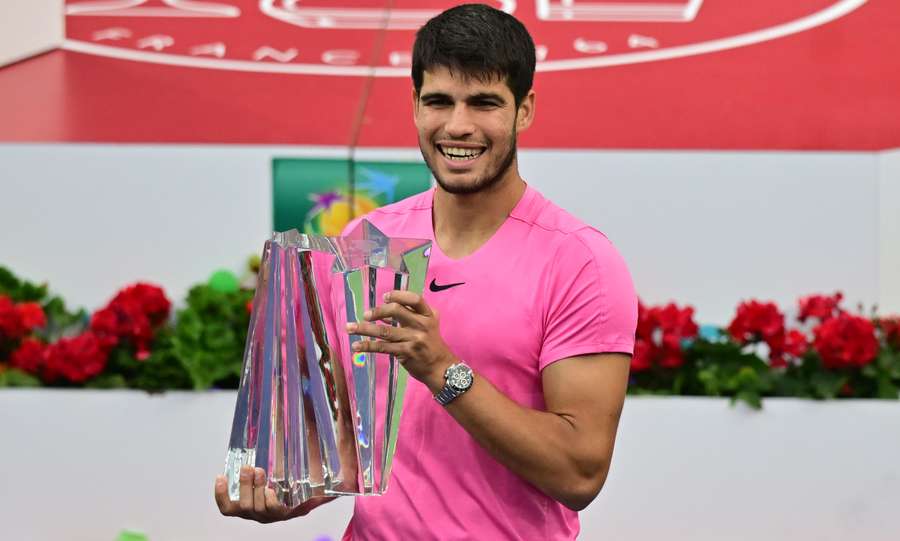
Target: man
521	345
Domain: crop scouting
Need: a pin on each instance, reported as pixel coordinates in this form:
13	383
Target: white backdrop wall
29	27
705	228
889	230
91	219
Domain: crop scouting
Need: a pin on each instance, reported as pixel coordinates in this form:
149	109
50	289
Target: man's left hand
417	342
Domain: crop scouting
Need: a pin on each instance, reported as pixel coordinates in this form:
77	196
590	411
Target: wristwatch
457	380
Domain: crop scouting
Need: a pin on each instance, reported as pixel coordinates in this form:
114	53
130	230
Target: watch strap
449	393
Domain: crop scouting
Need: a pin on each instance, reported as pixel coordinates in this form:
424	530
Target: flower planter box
84	465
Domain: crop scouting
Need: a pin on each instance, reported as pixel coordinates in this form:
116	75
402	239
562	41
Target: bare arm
565	451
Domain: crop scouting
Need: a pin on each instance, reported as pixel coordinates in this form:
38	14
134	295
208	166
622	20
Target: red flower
677	322
660	331
106	326
646	322
795	343
131	317
762	322
123	320
32	315
75	359
890	329
641	360
756	321
846	341
671	358
29	357
821	307
11	325
150	299
250	306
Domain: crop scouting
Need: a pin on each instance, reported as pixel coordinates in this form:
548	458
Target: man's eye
437	103
485	104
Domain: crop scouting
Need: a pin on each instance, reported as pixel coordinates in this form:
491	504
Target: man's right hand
257	502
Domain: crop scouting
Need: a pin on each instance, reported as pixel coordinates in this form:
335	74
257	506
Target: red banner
707	74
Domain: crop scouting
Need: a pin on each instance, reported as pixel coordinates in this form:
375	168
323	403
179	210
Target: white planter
83	465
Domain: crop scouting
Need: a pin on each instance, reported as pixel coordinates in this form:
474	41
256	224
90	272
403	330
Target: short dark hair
477	41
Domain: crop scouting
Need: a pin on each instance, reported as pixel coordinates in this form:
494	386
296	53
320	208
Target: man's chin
460	186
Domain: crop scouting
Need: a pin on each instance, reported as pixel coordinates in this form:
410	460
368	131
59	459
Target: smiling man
521	345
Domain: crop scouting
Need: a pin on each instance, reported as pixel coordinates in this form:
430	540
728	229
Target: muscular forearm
546	449
564	451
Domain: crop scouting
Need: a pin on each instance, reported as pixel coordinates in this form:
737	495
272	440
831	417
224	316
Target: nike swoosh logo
435	287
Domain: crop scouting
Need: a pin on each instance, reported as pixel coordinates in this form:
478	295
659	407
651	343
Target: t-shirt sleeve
590	303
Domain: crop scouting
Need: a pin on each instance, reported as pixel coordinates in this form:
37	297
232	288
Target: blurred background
744	157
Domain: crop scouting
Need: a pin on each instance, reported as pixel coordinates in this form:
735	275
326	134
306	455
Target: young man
521	345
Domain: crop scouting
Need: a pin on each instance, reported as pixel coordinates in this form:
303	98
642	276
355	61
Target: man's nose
460	122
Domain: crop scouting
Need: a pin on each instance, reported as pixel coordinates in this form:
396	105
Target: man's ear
525	113
415	98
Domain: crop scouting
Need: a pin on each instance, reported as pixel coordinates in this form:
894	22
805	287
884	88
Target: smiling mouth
461	154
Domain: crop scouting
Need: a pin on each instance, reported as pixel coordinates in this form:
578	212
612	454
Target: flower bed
824	351
132	342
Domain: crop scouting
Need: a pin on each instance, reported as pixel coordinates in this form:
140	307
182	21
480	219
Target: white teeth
457	153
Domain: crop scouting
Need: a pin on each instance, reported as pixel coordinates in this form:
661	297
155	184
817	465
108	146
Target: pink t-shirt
543	288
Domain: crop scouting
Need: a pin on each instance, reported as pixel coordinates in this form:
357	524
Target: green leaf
9	284
13	377
209	336
887	390
885	360
827	384
19	290
107	381
162	371
754	400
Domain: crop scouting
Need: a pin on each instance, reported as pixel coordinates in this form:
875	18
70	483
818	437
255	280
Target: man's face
467	129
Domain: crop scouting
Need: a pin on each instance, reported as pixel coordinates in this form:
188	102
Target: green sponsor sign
321	196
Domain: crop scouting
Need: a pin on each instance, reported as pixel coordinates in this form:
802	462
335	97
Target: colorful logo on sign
322	196
328	38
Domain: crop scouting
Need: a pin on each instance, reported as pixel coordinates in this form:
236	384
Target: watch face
460	377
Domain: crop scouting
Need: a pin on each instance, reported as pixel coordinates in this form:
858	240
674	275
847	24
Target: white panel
703	228
108	461
91	219
889	232
712	228
29	27
694	469
690	469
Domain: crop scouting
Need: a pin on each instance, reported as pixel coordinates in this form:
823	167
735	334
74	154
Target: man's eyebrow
434	95
486	96
479	97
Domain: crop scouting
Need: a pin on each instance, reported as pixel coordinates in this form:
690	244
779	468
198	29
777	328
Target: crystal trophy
320	419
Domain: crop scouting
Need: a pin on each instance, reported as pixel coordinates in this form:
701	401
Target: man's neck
463	223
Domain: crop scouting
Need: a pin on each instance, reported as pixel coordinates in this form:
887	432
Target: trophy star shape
320	419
